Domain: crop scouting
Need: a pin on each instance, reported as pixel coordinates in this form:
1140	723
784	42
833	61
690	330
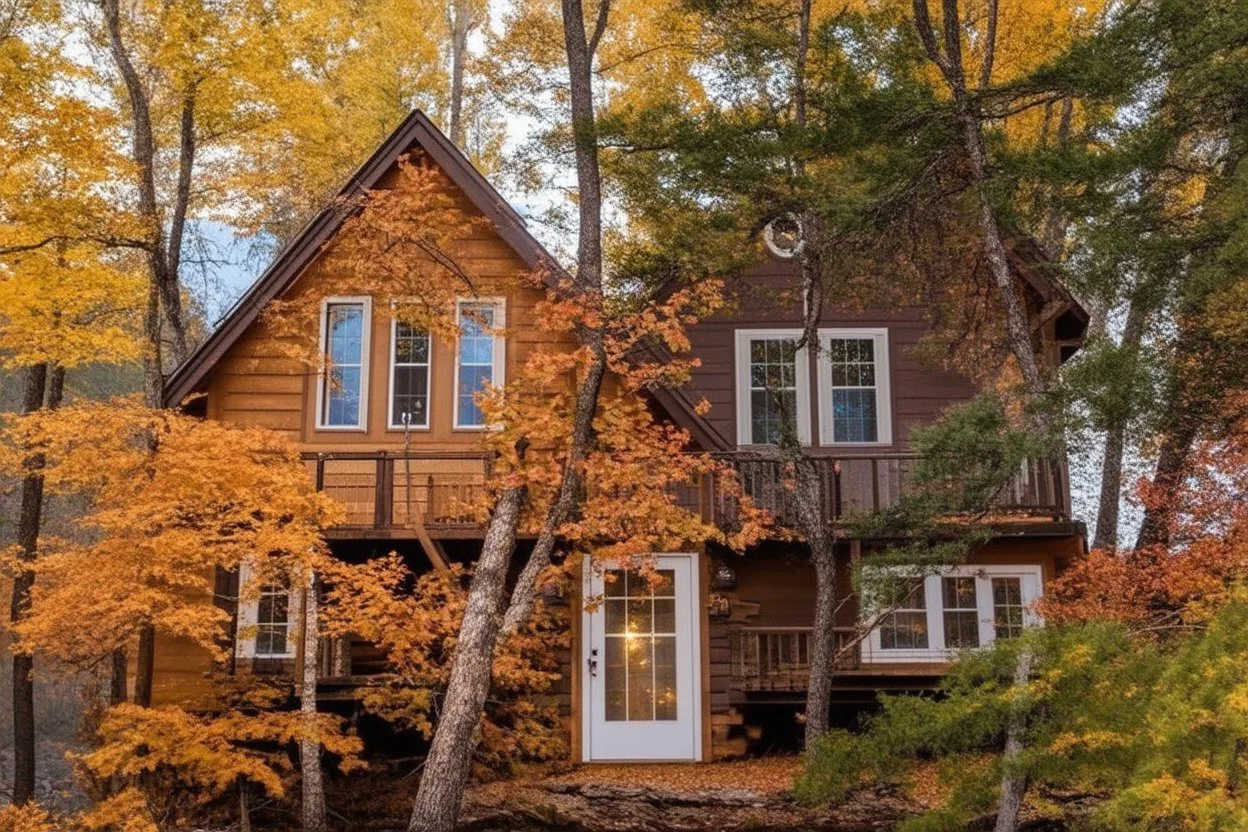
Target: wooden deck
386	494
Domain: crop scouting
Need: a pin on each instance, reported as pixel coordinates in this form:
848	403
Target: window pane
476	360
853	373
411	395
773	388
1007	607
906	627
344	348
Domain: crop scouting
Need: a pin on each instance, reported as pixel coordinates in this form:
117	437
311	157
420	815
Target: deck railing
860	484
778	658
388	491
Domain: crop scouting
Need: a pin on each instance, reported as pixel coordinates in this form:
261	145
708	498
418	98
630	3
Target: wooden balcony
386	493
777	659
860	484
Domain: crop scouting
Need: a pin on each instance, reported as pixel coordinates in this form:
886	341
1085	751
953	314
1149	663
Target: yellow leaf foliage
156	522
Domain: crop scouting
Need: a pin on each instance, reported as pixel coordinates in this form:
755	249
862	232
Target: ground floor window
960	608
266	616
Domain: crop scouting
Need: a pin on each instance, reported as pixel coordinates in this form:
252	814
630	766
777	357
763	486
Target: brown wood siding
256	382
765	298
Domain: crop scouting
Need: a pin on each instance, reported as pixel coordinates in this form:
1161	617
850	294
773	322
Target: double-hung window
343	386
410	362
963	607
479	360
854	404
273	621
265	618
773	387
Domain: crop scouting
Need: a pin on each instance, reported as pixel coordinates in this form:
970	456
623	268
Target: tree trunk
29	523
1013	781
312	786
145	666
446	769
1106	536
117	679
814	527
461	25
244	808
524	595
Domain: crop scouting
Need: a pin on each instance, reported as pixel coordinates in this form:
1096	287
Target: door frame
585	705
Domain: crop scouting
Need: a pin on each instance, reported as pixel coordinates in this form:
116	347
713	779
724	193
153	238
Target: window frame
498	372
801	358
883	386
366	335
428	365
247	632
1031	586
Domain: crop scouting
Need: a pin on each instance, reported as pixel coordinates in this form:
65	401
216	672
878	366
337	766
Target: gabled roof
303	249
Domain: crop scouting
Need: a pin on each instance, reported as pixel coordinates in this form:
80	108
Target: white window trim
801	358
883	390
499	372
390	425
249	613
366	349
1031	584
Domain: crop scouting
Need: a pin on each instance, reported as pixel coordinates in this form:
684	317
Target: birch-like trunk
312	784
1014	781
445	774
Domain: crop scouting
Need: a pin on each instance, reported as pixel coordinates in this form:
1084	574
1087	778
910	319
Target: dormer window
343	385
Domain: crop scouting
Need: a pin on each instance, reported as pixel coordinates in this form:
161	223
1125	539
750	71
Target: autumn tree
65	299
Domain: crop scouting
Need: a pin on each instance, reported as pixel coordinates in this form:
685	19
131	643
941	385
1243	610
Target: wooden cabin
692	668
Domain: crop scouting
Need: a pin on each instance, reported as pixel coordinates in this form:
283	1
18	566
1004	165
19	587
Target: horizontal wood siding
766	298
257	382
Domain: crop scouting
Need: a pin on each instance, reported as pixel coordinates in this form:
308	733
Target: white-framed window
411	374
959	608
342	387
266	619
480	356
773	384
855	407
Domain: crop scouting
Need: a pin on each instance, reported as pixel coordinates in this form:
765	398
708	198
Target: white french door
640	671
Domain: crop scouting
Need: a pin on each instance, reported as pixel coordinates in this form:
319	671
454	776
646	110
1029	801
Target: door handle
592	661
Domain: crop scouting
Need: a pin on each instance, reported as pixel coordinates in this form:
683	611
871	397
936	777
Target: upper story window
854	405
964	607
479	359
410	351
773	386
343	386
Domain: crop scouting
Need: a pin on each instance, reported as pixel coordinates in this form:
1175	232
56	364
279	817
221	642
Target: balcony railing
387	491
778	658
860	484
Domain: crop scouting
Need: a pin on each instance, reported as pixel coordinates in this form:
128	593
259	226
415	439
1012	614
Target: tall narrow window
479	362
342	385
853	378
772	387
1007	607
961	612
273	621
905	628
409	384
